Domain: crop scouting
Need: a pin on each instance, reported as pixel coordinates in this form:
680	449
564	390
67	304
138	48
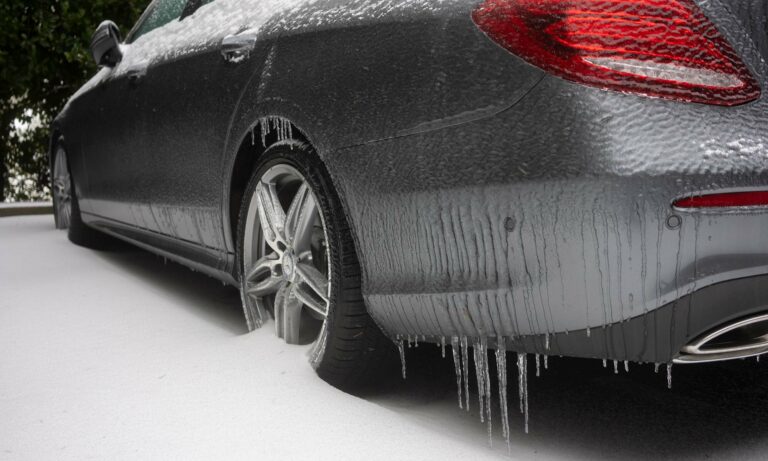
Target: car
584	178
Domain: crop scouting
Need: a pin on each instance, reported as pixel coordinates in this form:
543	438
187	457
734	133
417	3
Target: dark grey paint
485	197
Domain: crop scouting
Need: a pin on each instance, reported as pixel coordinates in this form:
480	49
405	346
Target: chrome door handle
135	77
236	48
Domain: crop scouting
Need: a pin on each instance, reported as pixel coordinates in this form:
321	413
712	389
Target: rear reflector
728	200
660	48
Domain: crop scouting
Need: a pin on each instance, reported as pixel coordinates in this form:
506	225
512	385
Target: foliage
44	58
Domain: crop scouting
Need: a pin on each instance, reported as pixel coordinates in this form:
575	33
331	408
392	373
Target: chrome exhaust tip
735	340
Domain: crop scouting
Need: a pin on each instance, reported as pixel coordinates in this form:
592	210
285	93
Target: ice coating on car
212	22
489	201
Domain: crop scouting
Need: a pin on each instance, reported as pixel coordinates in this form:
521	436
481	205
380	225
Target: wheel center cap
289	264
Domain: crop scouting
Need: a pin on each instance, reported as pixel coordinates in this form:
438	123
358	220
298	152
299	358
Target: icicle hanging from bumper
501	369
522	382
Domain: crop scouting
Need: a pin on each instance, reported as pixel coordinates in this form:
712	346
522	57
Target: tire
349	345
77	231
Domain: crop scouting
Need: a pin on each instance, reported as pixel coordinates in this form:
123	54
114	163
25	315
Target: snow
120	356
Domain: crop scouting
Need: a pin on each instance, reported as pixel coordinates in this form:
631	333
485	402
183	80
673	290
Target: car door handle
236	48
135	77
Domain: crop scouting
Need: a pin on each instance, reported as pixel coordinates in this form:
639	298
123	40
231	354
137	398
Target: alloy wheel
286	265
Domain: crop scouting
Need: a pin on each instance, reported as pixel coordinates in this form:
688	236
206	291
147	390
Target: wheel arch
262	134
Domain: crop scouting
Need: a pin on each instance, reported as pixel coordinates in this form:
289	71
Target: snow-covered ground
120	356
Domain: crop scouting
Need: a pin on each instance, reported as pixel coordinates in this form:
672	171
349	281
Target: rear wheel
297	263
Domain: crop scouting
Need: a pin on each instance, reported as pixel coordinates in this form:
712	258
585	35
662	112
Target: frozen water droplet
589	332
626	366
605	363
442	346
546	362
655	367
538	366
546	341
757	359
615	367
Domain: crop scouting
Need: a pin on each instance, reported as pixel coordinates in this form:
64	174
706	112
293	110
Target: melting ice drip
460	353
282	127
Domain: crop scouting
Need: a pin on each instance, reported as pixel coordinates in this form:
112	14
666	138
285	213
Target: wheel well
267	131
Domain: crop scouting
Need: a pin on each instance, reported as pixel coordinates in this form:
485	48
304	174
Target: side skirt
210	261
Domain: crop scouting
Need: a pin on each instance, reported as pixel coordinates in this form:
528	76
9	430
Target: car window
192	6
162	12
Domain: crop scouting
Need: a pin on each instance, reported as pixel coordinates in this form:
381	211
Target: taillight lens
725	200
661	48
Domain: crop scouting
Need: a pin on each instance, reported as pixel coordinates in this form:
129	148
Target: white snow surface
119	356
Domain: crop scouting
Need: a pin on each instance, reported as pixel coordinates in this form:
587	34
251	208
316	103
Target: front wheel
297	263
62	189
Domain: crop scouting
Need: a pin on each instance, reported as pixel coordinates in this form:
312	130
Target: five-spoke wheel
297	262
285	255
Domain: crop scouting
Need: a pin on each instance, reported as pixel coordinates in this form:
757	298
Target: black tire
356	350
81	234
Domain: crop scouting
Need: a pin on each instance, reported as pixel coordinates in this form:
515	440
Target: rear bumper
660	336
555	216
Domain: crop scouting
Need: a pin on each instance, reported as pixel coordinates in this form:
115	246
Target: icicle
522	382
655	367
479	375
253	136
615	367
605	363
416	341
669	376
546	341
401	348
589	332
488	400
538	368
501	369
442	346
482	374
757	359
626	366
264	124
546	362
456	349
465	369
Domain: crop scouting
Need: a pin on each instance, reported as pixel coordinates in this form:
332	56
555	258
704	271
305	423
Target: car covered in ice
583	178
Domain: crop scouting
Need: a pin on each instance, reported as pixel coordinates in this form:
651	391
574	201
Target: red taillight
662	48
725	200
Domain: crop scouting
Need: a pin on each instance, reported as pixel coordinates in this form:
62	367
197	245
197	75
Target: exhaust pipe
735	340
